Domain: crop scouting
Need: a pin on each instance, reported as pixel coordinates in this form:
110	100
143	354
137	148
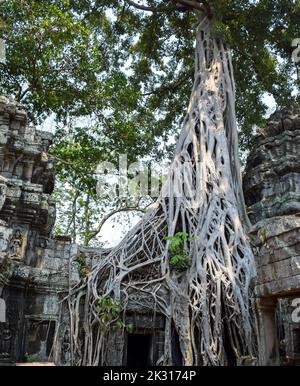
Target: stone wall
34	266
272	193
272	179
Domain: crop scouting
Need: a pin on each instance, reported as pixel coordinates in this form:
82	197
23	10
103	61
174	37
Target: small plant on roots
178	257
108	311
83	268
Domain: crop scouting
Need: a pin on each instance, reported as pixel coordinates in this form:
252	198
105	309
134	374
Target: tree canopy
78	58
125	68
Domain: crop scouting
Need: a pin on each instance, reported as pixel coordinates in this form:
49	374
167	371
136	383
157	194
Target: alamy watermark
141	179
296	311
296	54
136	180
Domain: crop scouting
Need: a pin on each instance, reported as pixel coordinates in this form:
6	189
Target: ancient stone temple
272	192
34	268
37	269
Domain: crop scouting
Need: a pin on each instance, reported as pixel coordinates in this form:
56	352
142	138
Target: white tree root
203	197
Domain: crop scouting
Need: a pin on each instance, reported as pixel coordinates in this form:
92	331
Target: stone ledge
275	226
279	288
280	270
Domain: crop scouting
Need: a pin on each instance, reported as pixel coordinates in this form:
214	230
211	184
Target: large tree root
202	197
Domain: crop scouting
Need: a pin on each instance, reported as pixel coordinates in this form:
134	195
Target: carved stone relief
18	244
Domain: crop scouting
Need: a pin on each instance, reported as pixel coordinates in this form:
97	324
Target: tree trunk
202	197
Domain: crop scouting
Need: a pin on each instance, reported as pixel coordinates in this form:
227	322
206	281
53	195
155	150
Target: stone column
27	170
268	332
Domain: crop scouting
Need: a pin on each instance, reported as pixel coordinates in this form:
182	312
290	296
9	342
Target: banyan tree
204	296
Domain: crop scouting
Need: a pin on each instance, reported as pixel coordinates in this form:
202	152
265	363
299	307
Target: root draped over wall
208	303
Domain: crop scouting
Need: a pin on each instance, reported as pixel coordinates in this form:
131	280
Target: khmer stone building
37	268
272	192
34	267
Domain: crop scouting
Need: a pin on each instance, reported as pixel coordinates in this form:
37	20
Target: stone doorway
139	350
144	345
39	337
287	317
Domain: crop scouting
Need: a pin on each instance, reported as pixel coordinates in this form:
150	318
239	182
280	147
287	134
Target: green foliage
178	257
118	80
33	358
83	268
222	31
108	311
132	70
65	59
179	261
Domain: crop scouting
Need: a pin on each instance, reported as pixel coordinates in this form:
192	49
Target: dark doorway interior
231	358
138	350
229	351
176	352
50	337
297	340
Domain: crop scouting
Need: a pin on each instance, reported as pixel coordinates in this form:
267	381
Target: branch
171	87
142	7
74	166
191	3
203	6
73	211
21	95
109	215
208	8
16	162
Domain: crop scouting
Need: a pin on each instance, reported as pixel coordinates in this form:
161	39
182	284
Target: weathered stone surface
272	192
279	287
272	179
35	269
277	239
